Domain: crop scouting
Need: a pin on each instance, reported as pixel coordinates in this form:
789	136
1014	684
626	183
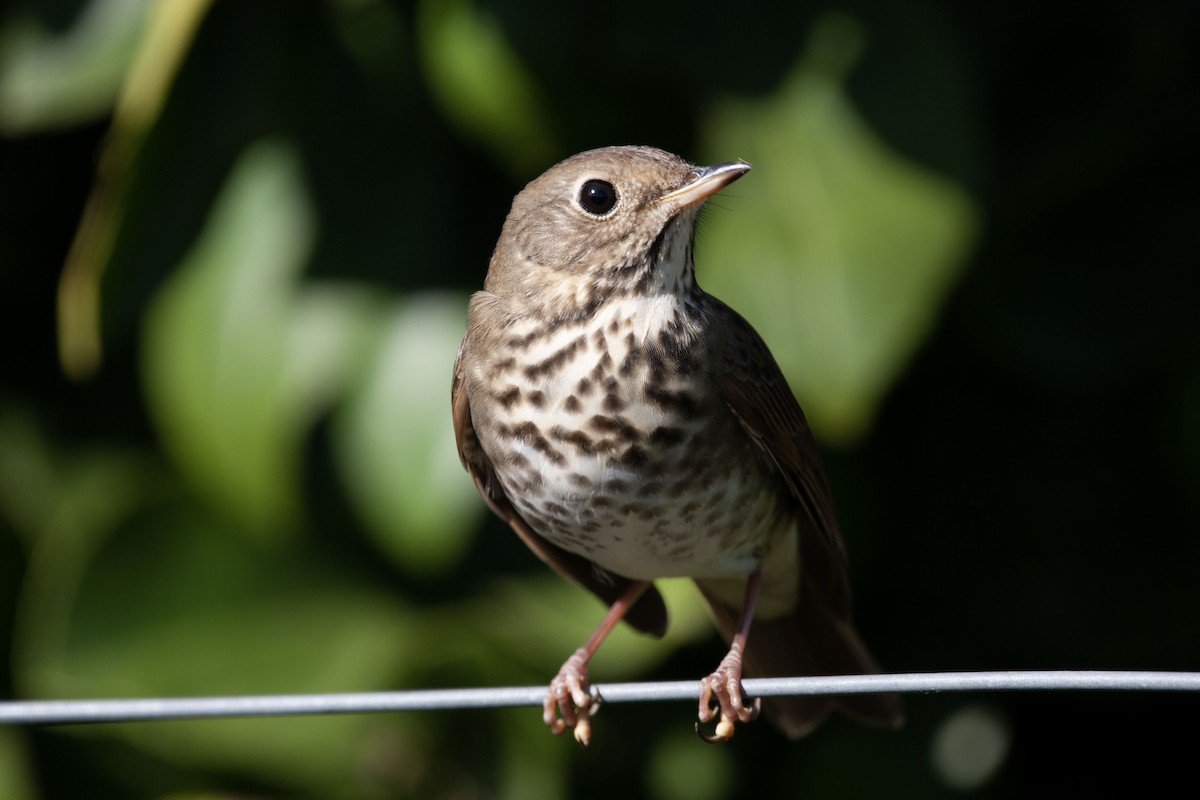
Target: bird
630	427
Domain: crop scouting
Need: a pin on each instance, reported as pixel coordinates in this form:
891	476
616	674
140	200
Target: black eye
597	197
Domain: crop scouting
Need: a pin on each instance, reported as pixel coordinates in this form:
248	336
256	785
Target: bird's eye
597	197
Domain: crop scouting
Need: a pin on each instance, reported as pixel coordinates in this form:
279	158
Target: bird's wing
648	614
759	396
816	637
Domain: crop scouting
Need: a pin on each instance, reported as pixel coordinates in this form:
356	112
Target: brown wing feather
817	637
760	397
648	615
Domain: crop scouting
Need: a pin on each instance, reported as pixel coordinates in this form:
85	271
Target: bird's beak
707	182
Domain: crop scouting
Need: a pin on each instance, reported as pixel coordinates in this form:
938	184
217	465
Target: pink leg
724	685
568	704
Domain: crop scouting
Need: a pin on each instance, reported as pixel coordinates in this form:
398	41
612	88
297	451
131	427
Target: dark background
1026	496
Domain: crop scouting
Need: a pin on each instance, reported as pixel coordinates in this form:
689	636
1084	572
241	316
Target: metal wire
70	712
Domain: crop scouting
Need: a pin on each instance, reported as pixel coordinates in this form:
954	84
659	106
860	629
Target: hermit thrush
630	427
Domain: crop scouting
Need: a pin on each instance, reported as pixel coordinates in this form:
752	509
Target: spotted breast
611	442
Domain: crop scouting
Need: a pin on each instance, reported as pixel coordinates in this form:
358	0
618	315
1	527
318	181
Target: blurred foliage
482	86
968	238
852	246
54	79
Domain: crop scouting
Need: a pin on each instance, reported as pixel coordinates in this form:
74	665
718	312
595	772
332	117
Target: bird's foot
721	696
570	702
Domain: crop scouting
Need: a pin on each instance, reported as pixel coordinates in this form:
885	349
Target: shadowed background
236	243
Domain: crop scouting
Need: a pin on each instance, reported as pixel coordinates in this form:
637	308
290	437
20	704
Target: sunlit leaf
63	507
50	80
482	86
836	248
395	440
237	359
215	340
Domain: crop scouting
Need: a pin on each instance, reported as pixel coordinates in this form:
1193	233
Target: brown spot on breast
532	336
585	387
580	480
633	456
677	488
604	424
530	433
556	360
655	361
603	367
525	430
680	402
613	403
576	438
572	404
618	425
649	488
666	436
508	397
537	399
634	355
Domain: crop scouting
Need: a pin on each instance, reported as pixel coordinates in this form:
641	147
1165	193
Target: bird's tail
810	640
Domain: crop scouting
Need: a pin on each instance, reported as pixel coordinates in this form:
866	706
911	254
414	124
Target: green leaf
237	361
395	442
837	249
52	80
63	507
481	84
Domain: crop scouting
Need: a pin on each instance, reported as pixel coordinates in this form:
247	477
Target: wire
70	712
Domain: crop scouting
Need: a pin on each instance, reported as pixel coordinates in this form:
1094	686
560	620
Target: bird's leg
724	685
568	704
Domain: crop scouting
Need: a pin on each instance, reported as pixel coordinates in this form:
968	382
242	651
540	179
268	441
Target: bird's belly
634	466
654	522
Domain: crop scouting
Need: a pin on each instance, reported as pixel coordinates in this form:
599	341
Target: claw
723	733
570	701
583	723
721	697
583	731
